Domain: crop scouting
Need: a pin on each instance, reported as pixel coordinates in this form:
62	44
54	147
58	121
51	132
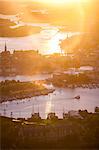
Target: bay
61	100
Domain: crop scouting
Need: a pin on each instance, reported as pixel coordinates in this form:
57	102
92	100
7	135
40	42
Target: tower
5	49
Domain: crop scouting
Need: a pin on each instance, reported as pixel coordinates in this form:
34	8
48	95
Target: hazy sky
58	1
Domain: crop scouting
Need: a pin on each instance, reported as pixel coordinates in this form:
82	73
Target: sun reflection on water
49	105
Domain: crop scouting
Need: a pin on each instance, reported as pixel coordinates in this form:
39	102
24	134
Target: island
13	90
77	80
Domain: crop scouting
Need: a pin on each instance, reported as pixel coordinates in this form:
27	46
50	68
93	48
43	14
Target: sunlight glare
60	1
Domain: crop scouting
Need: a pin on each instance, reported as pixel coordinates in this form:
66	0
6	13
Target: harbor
61	99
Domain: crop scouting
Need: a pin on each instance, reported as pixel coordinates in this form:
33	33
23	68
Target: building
7	67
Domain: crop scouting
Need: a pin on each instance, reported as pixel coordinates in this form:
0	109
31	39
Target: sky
51	1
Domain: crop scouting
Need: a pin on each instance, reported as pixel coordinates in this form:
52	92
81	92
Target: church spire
5	47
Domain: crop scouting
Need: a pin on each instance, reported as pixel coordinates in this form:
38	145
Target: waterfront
49	74
43	41
59	101
26	78
42	35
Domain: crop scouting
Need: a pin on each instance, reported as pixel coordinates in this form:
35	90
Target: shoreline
40	93
83	86
14	90
62	84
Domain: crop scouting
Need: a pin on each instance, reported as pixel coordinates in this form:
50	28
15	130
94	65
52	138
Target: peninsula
13	90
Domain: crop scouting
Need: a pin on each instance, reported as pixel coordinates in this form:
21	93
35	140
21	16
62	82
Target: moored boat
77	97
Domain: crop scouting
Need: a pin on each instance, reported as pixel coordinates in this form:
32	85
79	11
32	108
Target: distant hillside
84	18
6	31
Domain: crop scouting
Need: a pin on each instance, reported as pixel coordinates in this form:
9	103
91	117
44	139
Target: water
61	99
27	78
47	41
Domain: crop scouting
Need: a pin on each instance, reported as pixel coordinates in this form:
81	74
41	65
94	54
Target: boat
77	97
